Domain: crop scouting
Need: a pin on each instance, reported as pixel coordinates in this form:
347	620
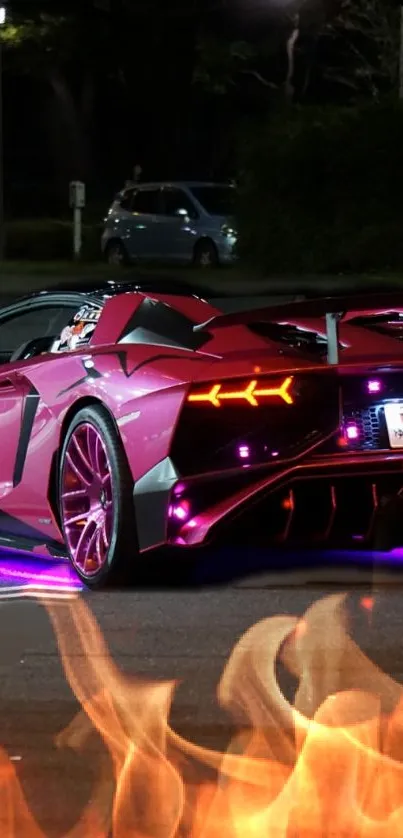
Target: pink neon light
181	511
352	432
374	386
244	452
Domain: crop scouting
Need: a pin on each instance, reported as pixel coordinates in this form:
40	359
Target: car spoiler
333	309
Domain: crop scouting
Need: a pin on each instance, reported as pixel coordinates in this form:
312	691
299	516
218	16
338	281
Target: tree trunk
73	120
290	47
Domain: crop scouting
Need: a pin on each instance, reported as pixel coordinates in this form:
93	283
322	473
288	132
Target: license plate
394	424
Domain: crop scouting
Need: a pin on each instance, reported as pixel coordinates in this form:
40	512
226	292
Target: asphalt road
181	632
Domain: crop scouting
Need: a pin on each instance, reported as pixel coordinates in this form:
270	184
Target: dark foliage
321	190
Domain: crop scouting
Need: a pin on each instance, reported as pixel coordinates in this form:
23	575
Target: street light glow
2	15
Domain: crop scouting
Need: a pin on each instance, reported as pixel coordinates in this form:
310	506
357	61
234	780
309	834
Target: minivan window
216	200
126	200
147	202
176	199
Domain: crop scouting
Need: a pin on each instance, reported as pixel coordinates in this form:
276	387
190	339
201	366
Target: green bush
43	240
321	190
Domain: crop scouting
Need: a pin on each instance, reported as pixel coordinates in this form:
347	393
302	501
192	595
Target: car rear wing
333	309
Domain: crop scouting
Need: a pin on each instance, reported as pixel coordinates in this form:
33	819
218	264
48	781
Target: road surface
183	632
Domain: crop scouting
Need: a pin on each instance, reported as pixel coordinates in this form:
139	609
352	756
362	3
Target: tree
348	49
64	53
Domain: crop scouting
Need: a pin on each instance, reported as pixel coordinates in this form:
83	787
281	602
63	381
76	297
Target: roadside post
77	204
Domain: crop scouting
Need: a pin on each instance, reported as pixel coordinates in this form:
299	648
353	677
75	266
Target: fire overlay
328	764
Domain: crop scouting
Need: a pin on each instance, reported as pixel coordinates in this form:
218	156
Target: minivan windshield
216	200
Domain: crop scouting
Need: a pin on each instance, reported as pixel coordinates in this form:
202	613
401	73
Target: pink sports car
133	418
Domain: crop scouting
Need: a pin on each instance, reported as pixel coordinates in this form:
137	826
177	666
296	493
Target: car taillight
251	392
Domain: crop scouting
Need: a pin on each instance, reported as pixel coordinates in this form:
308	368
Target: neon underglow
250	394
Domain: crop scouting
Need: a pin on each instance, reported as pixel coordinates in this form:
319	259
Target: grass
17	276
17	268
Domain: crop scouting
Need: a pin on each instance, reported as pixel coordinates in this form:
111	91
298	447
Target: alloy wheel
86	500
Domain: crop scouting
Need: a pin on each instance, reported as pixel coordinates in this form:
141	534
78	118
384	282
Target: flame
329	764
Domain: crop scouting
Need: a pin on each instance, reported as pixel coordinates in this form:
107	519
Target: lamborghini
137	415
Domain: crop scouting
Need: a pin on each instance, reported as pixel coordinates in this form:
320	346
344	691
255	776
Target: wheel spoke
92	440
98	451
81	544
87	503
76	519
89	548
77	493
98	547
79	474
81	453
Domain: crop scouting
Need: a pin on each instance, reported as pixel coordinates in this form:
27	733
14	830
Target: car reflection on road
24	577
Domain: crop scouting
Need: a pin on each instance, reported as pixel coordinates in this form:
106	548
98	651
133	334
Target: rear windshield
216	200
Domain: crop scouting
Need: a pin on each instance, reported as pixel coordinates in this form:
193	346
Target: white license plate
394	424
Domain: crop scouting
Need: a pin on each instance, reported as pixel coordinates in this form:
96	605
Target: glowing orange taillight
251	393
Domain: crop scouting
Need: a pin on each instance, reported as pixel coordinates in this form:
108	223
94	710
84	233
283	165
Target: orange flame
330	764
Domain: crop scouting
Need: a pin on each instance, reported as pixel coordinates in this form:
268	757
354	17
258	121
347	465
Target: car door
177	233
142	228
19	324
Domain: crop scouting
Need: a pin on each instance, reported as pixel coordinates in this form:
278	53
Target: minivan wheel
96	500
205	254
116	254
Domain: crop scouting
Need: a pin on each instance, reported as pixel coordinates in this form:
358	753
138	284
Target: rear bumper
326	501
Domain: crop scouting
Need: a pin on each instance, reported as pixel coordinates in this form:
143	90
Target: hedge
47	239
321	190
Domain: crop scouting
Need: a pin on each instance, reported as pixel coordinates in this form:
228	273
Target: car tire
96	500
116	254
205	255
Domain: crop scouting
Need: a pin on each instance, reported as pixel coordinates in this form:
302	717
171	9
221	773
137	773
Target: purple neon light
374	386
181	510
352	432
243	452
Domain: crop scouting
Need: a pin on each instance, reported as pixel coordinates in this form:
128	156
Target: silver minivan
182	223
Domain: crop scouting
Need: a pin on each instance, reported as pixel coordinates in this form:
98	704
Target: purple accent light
243	452
374	386
180	511
352	432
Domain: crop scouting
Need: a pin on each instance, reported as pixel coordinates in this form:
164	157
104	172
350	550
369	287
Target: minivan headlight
228	231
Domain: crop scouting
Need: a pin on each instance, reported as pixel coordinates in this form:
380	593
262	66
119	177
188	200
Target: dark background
297	102
93	87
